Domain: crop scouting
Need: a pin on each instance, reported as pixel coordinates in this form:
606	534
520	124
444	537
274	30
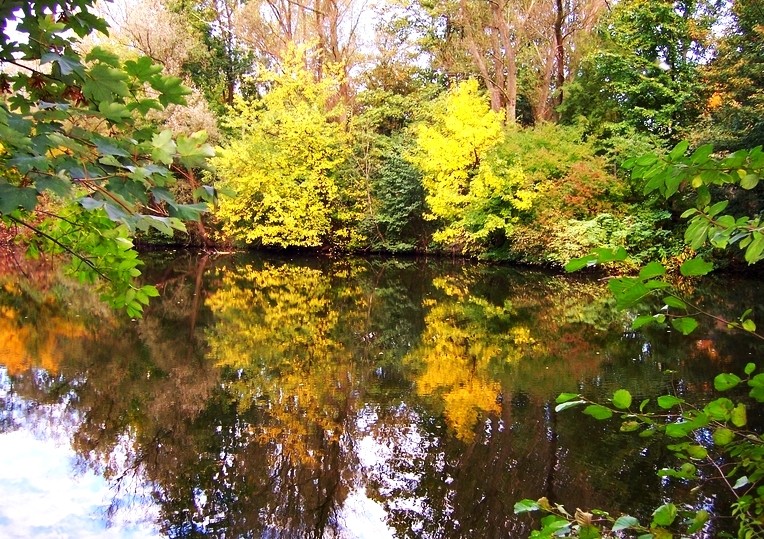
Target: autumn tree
286	162
472	191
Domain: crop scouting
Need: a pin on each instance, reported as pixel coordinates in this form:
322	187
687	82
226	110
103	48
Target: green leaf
193	151
605	254
103	55
653	269
749	368
702	154
723	436
565	397
67	64
684	325
717	208
739	417
143	68
625	522
150	290
698	521
577	264
57	186
13	198
105	84
683	428
627	291
163	147
526	506
630	426
726	381
646	319
598	411
116	112
719	409
679	150
741	482
695	267
754	250
749	181
569	404
646	160
668	401
665	515
697	452
674	302
171	90
622	399
749	325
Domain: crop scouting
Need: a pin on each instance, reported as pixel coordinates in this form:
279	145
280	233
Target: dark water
274	397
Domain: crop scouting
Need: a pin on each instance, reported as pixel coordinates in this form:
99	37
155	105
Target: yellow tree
471	187
286	163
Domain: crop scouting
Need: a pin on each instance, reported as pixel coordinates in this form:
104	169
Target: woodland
495	130
556	133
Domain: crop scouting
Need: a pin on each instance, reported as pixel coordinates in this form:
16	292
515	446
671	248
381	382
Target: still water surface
287	397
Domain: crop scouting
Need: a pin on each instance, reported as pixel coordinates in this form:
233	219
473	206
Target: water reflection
267	397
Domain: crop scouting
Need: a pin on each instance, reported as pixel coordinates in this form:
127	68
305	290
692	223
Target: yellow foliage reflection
466	340
280	329
27	345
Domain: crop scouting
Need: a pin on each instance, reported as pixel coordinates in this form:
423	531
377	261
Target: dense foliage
421	146
79	168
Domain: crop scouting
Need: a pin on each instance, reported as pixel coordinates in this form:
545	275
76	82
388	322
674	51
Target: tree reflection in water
318	398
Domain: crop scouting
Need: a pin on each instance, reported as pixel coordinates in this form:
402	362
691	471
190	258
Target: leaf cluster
70	135
695	436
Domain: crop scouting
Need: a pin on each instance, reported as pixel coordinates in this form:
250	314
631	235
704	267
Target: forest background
487	129
495	130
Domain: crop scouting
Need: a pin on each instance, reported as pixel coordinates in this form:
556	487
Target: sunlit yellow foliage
459	350
285	163
450	146
471	189
278	327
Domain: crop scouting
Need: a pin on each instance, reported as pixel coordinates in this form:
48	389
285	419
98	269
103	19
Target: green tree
736	74
287	164
76	169
643	69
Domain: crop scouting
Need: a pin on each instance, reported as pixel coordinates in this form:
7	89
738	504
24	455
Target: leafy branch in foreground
79	166
715	437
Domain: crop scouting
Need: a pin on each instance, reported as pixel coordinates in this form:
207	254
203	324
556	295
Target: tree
272	28
220	73
643	72
149	28
78	171
286	164
736	75
522	50
471	189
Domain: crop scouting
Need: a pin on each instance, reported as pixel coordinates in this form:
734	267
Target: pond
306	397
